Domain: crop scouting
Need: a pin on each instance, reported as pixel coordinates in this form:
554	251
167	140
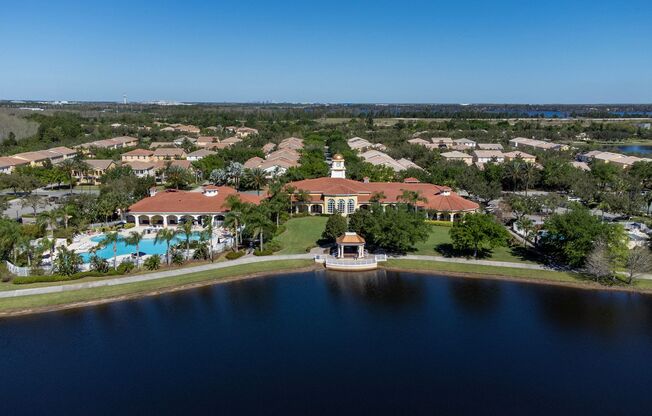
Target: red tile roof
437	197
190	202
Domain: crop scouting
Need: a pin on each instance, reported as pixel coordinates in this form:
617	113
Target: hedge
25	280
440	223
232	255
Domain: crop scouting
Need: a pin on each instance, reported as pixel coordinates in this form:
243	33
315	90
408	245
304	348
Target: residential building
536	144
9	164
203	141
485	156
489	146
518	154
98	167
455	156
142	169
468	143
143	155
199	154
269	148
167	153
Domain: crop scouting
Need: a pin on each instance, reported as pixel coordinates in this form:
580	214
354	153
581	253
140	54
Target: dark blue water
639	149
325	343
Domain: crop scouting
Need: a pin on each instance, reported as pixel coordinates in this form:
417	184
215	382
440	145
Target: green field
439	239
84	295
301	234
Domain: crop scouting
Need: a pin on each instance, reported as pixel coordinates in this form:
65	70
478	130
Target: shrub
280	229
97	263
129	225
125	267
232	255
273	245
440	222
39	279
265	252
177	258
152	263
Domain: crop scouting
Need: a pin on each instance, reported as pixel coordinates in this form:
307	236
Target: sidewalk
149	276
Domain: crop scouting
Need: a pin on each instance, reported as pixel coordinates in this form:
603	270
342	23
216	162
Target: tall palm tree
529	172
513	171
134	239
232	221
207	221
257	178
67	212
70	166
186	230
257	222
167	235
112	238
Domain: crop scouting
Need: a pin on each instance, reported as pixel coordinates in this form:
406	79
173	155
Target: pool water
146	246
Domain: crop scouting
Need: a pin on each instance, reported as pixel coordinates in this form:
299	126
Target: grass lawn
301	233
439	238
53	299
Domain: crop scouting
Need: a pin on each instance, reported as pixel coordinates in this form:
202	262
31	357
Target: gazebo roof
350	239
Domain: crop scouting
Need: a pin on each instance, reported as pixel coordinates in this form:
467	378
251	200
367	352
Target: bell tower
337	167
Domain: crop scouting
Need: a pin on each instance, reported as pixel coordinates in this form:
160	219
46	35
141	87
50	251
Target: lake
336	343
640	149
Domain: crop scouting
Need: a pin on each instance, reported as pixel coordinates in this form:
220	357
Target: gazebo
350	240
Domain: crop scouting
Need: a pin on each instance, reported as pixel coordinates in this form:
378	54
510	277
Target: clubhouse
328	195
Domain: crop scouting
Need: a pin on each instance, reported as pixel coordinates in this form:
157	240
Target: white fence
25	271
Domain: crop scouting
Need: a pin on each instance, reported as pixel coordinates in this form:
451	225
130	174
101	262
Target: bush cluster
265	252
232	255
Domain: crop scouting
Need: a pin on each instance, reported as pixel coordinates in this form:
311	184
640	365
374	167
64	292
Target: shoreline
584	285
150	293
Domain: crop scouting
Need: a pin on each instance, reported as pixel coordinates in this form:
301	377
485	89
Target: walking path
248	260
149	276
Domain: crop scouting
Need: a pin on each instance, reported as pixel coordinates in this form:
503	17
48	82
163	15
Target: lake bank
187	279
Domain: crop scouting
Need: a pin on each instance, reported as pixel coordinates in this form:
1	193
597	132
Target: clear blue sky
331	51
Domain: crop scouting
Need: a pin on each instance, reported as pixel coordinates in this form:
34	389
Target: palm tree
513	171
258	221
232	221
48	244
167	235
70	166
207	221
67	212
529	173
302	196
112	238
134	239
377	196
412	198
186	230
257	179
49	219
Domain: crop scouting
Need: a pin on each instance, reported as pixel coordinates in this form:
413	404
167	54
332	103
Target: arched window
351	206
331	206
341	206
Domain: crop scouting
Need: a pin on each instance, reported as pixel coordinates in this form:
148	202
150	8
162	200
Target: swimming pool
146	246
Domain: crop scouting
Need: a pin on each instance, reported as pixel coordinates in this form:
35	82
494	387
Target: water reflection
379	287
607	314
252	295
475	295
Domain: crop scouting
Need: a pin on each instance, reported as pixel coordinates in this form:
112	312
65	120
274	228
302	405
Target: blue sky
336	51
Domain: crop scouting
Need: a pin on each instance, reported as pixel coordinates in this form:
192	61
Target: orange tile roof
190	202
138	152
350	238
437	197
